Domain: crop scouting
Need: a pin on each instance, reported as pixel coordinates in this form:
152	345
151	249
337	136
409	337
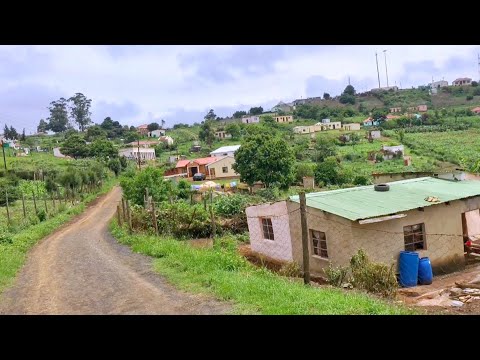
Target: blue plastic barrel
425	274
408	264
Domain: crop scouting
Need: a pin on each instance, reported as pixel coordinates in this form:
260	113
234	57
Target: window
225	169
319	242
414	237
267	229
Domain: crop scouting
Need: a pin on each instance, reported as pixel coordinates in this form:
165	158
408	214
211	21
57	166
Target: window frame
224	169
317	249
270	234
412	245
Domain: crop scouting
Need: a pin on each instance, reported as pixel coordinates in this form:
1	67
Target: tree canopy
207	132
256	110
80	110
58	119
153	126
239	114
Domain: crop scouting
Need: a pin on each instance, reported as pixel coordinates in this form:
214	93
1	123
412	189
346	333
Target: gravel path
82	269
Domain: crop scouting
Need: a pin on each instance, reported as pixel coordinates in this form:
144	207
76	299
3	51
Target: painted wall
351	127
281	247
250	119
218	166
473	222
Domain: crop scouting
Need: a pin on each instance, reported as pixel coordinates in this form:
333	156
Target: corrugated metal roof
225	149
364	202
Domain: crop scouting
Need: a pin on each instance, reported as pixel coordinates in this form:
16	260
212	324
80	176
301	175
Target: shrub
360	180
5	237
302	170
42	215
373	277
469	97
184	220
476	92
336	276
269	194
229	206
290	269
379	157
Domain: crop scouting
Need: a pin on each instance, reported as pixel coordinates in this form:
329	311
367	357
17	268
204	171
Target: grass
222	272
13	256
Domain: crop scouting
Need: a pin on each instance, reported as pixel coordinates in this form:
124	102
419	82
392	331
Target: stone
456	303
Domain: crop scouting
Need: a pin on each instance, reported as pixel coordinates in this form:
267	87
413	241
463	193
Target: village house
392	117
281	106
142	129
221	167
213	167
390	152
462	82
395	109
351	127
225	151
420	108
303	129
156	133
326	124
221	134
251	119
373	134
456	175
133	153
284	119
434	86
166	140
430	216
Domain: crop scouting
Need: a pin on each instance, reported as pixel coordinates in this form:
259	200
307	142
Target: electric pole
386	71
138	148
4	160
378	73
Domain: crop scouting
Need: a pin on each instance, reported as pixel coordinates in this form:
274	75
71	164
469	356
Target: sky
139	84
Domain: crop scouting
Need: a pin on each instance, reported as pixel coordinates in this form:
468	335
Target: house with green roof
431	216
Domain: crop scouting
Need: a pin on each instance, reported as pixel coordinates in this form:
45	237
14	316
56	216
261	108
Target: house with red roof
213	167
142	129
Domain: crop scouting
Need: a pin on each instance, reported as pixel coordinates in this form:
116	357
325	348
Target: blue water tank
408	264
425	273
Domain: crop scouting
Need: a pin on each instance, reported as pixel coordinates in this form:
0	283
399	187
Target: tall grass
221	271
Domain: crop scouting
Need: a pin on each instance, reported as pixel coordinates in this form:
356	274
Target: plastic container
408	264
425	273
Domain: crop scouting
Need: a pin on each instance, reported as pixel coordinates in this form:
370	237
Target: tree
42	126
104	149
153	126
326	96
163	123
80	110
95	132
239	114
266	158
210	115
234	130
11	133
6	132
349	90
324	148
354	139
23	137
347	99
107	123
474	83
75	146
115	166
256	110
401	135
58	120
328	172
379	114
268	119
207	133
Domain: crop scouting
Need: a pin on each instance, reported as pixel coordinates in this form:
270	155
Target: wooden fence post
145	205
124	213
119	218
34	202
204	202
53	202
129	214
23	206
45	202
214	226
154	218
8	210
191	198
306	254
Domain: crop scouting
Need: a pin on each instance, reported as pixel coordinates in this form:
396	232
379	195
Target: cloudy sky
141	84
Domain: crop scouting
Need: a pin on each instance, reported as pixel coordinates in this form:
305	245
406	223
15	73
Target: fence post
124	213
204	202
191	198
119	218
23	206
34	202
306	254
8	210
53	202
45	202
214	226
58	197
154	218
129	214
145	204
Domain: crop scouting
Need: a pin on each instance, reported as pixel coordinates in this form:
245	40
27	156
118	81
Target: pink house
422	108
142	129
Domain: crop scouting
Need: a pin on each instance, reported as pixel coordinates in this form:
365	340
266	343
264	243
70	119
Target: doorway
193	170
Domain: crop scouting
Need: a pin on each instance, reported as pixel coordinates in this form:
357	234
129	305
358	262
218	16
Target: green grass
218	181
34	161
13	256
222	272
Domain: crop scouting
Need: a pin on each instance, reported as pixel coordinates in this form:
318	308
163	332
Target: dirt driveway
81	269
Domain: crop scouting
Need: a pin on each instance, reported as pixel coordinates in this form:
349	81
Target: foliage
476	91
373	277
474	83
336	275
330	172
360	180
152	178
80	110
326	96
10	133
8	189
347	99
183	220
183	189
324	147
103	149
230	205
207	132
269	194
42	126
256	110
58	119
302	170
42	215
266	158
115	166
95	132
239	114
234	130
75	146
290	269
469	97
153	126
210	115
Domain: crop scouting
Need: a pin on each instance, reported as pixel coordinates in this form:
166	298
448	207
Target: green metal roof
364	202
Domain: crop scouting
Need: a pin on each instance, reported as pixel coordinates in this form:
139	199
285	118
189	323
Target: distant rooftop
364	202
225	149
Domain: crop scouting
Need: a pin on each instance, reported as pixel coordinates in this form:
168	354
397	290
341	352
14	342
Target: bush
290	269
229	206
469	97
269	194
360	180
379	157
336	276
183	220
5	237
302	170
476	92
41	215
373	277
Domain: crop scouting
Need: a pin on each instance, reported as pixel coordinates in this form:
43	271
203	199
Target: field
453	146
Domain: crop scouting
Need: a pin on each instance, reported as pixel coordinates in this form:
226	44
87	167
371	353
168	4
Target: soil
82	269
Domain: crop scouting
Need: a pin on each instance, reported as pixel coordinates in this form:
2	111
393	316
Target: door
212	173
193	171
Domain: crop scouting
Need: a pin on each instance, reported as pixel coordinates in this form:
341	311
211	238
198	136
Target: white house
156	133
133	153
166	140
225	151
222	134
251	119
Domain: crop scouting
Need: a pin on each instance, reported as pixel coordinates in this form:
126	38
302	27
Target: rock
456	303
455	291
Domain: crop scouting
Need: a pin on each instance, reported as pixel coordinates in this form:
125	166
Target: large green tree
210	115
104	149
153	126
95	132
239	114
234	130
58	120
266	158
207	132
256	110
324	147
75	146
42	126
80	110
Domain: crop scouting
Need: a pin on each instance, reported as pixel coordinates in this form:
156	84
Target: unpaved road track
81	269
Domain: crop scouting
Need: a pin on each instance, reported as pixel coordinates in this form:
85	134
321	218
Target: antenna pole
378	73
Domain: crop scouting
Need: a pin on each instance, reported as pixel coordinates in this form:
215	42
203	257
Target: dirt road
81	269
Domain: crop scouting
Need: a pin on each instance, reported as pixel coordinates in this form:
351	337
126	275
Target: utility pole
378	73
386	71
138	154
4	160
348	80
